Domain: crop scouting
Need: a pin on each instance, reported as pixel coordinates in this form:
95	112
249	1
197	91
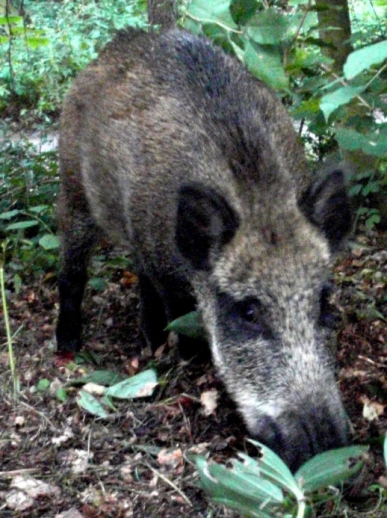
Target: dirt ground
56	460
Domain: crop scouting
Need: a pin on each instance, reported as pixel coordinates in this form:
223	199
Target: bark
162	13
335	30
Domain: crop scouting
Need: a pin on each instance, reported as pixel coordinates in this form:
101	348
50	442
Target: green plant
340	114
265	488
44	49
28	187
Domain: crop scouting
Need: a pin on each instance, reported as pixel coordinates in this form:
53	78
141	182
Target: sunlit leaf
330	102
21	225
49	242
140	385
364	58
214	11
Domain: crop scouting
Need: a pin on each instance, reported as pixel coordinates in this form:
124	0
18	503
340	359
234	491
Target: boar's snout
297	438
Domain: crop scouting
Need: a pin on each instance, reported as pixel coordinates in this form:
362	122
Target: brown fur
173	149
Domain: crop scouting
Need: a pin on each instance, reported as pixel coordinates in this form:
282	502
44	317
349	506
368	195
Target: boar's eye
252	313
328	317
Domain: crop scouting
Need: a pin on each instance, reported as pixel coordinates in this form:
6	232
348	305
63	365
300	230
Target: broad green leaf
140	385
267	27
274	468
254	487
364	58
385	450
49	242
371	144
214	11
91	404
106	378
224	487
190	325
21	225
330	102
330	468
10	214
264	61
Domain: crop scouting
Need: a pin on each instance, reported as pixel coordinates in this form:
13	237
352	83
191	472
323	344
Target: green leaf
61	394
140	385
98	283
43	384
275	469
38	208
364	58
215	11
20	225
330	468
10	214
268	27
330	102
264	61
371	144
6	20
248	494
37	42
91	404
49	242
190	325
105	378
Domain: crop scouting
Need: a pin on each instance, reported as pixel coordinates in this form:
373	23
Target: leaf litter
133	461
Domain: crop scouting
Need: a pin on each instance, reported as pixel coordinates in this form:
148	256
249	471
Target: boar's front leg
78	235
152	313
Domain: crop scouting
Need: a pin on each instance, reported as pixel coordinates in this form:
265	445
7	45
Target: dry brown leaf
172	458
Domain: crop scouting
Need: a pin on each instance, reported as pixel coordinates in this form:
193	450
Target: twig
167	481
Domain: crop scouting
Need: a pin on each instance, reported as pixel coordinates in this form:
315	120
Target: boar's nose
297	438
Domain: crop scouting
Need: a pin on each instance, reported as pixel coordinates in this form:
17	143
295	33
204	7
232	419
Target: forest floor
56	460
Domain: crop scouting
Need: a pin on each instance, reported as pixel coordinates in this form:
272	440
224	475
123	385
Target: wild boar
171	148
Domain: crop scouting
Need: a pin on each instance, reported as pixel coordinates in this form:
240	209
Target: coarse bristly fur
171	148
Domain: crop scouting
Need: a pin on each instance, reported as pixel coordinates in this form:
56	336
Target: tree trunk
162	13
335	30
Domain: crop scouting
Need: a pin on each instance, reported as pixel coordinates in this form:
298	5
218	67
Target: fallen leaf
94	388
77	460
209	400
33	487
371	409
18	500
172	458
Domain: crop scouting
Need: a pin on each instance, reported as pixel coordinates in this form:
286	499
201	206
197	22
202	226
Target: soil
57	460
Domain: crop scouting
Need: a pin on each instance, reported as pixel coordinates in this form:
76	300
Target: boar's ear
205	223
326	205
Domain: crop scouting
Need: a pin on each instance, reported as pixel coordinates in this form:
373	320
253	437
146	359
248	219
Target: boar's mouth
296	438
